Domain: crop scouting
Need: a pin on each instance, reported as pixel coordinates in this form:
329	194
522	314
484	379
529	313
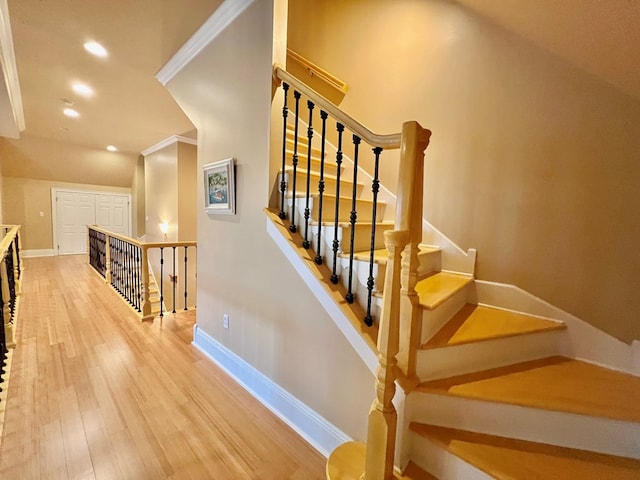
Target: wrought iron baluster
138	280
375	187
185	277
294	162
161	280
353	217
174	280
305	242
11	281
17	242
283	183
323	116
336	243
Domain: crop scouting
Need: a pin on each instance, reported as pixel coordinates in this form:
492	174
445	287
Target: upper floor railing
10	276
399	320
124	263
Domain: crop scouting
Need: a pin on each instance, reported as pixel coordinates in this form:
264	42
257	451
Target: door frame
54	208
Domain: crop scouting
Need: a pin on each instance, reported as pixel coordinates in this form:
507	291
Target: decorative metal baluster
335	244
323	116
174	279
17	242
132	285
283	183
11	280
294	161
305	243
161	283
375	187
127	271
353	217
138	279
185	277
3	338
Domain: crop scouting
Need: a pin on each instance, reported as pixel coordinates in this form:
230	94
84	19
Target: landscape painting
219	187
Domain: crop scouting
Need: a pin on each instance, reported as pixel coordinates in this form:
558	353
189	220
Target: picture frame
220	187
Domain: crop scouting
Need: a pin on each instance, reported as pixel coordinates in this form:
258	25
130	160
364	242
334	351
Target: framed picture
219	187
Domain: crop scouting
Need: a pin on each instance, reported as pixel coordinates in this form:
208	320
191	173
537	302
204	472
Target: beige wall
532	161
276	324
137	200
25	199
161	193
39	158
188	183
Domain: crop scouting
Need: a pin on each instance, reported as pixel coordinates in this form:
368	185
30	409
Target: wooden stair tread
437	288
474	323
505	458
554	383
379	256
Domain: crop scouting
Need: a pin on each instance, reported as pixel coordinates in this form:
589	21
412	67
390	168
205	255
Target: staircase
488	391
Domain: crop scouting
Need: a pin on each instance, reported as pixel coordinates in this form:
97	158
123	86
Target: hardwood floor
94	393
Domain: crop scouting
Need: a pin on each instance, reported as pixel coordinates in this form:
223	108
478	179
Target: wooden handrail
138	243
388	142
316	71
8	238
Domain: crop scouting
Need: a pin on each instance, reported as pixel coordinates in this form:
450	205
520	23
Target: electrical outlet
225	320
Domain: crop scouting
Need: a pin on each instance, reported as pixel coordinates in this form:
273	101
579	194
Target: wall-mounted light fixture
164	228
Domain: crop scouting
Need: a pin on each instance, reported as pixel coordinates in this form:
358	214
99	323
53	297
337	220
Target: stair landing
436	289
553	383
505	458
475	323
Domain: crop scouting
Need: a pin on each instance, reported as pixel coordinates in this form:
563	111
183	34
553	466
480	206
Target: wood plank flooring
95	394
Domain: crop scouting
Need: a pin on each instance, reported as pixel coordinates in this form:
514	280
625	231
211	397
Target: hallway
95	394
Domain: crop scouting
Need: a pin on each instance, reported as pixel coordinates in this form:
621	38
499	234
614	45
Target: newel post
381	433
415	140
146	303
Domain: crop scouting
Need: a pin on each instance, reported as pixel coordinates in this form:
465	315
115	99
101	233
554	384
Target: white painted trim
166	142
318	288
44	252
583	341
54	211
9	69
226	13
316	430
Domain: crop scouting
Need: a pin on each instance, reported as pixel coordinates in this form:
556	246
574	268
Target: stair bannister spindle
185	277
174	280
283	183
336	243
128	272
12	280
138	280
17	250
161	281
353	217
294	162
305	243
375	187
323	116
146	302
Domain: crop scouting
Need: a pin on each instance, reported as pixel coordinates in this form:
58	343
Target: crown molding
226	13
166	142
9	70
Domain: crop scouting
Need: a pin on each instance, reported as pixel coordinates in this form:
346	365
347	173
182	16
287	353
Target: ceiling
129	108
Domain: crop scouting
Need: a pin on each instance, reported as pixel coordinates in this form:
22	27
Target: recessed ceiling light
70	112
111	148
82	89
96	49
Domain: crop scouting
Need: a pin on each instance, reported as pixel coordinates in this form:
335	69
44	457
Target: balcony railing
124	263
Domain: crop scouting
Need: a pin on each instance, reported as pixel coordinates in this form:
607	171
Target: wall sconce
164	228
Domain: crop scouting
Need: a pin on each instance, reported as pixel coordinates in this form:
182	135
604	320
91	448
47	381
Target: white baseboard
316	430
48	252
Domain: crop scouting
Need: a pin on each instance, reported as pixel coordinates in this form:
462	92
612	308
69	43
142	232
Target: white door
74	212
112	213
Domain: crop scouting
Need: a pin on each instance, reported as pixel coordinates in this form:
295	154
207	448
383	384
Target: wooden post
409	218
146	303
381	433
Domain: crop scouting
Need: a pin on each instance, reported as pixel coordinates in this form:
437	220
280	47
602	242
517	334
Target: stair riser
445	362
430	262
330	184
440	463
330	166
613	437
433	320
363	209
